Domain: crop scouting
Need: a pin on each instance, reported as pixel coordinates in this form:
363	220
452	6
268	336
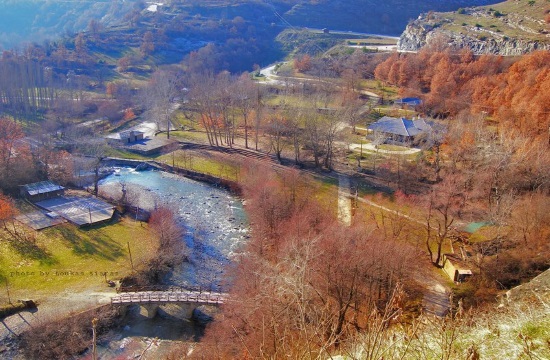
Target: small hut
42	190
131	136
457	269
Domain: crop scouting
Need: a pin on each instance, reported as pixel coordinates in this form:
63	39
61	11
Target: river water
214	221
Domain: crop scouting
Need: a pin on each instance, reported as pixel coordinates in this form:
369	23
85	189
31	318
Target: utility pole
94	339
8	291
130	252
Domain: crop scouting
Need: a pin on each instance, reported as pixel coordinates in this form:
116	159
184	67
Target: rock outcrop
438	31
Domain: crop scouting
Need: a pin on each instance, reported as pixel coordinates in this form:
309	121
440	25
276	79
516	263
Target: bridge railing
169	297
166	288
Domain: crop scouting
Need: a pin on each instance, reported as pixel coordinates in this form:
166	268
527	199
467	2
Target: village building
410	102
456	268
41	191
399	130
142	141
131	136
56	208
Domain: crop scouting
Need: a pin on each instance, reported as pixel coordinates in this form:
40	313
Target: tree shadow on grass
91	242
32	251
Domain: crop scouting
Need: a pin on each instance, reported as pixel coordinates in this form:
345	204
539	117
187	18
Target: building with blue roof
408	101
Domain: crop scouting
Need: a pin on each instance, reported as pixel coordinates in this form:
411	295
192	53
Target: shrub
64	339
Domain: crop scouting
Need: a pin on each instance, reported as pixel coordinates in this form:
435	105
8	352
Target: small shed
457	269
408	101
131	136
41	191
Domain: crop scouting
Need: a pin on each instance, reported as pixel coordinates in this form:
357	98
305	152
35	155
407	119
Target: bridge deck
166	297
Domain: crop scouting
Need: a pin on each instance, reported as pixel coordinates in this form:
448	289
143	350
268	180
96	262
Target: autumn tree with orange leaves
514	91
7	210
16	164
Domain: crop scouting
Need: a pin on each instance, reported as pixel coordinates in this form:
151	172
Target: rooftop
409	101
400	126
79	210
42	187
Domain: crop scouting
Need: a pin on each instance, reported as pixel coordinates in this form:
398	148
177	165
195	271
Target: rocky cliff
483	30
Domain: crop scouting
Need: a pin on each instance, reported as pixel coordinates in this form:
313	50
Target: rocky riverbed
214	221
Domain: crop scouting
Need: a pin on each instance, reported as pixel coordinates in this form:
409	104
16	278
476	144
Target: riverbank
232	186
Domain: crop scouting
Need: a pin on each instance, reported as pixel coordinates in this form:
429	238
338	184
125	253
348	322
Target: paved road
271	78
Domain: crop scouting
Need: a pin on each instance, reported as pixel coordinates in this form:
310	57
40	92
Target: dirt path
344	201
436	296
53	307
371	147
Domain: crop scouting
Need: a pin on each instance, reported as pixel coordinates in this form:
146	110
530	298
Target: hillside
370	16
512	27
39	20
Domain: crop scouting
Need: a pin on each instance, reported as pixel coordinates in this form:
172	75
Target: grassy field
70	258
218	165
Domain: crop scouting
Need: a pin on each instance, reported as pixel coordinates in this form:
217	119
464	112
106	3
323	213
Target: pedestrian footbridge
153	298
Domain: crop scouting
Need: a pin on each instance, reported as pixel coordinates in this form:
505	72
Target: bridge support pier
150	310
122	310
187	310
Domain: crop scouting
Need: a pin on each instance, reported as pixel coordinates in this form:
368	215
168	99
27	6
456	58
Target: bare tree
209	95
443	203
245	94
333	127
96	150
277	130
353	113
313	134
258	109
159	96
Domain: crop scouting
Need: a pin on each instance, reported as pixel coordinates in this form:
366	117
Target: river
214	220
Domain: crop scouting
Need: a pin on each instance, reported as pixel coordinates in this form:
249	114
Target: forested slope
38	20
